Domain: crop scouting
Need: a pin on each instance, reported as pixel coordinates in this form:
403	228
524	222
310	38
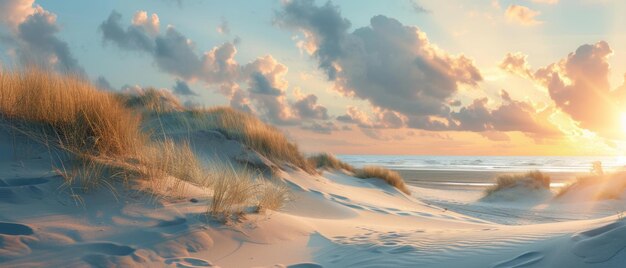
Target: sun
623	121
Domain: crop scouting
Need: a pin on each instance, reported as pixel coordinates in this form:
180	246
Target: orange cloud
522	15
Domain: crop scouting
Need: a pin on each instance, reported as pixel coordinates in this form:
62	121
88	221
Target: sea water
481	171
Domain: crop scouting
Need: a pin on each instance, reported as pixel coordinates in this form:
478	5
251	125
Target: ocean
481	171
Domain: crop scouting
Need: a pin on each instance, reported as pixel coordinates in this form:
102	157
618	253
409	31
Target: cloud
511	115
172	52
39	43
33	37
516	63
307	107
223	27
579	86
181	88
408	81
380	118
14	12
355	116
150	24
495	135
102	83
266	87
522	15
417	7
391	65
322	128
133	38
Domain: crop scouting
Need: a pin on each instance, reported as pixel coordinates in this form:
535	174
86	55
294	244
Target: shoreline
477	179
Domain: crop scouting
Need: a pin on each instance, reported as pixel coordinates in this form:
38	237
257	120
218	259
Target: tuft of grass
238	191
391	177
75	115
86	174
272	196
530	180
329	161
168	158
609	185
151	100
245	128
580	182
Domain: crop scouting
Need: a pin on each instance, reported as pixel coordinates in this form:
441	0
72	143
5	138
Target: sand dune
332	219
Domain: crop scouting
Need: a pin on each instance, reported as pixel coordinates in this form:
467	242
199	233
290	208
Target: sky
491	77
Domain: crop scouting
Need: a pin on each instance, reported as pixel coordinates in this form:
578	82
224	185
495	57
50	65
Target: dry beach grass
530	180
102	133
389	176
329	161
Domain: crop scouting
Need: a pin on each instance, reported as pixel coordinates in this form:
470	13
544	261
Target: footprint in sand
188	262
108	248
174	222
7	228
107	253
523	260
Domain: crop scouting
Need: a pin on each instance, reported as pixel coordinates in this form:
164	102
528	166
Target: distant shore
471	179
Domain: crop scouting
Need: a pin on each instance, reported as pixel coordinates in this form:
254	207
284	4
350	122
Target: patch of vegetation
245	128
390	177
102	134
329	161
529	180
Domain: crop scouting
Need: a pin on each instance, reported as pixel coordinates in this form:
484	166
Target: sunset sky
540	77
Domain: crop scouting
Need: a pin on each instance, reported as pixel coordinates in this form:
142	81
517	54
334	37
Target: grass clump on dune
103	137
604	186
529	180
151	100
329	161
73	114
239	191
245	128
391	177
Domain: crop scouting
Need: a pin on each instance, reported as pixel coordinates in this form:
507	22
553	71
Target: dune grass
608	185
151	100
582	181
329	161
245	128
390	177
272	195
530	180
235	192
102	134
74	115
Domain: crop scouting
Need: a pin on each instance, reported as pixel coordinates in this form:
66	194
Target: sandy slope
334	221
